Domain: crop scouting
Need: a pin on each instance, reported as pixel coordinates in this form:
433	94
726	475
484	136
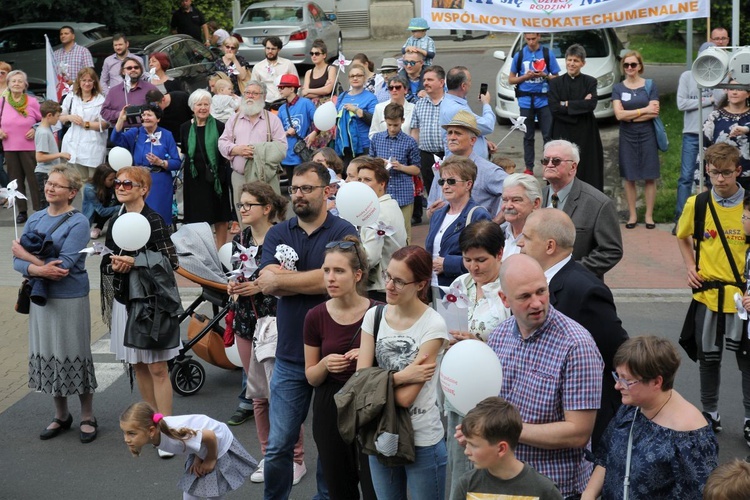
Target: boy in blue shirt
419	42
296	115
401	152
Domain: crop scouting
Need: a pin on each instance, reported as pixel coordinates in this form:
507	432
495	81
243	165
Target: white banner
556	15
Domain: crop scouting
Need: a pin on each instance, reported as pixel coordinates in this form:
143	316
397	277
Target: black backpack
519	67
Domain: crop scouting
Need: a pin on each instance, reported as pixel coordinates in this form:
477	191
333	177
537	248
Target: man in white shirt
111	68
270	69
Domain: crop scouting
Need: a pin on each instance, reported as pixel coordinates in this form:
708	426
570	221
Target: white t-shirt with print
224	436
395	350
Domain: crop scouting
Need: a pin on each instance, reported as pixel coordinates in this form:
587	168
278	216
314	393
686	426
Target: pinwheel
245	257
436	165
341	62
11	194
97	249
154	139
126	87
518	124
382	229
455	296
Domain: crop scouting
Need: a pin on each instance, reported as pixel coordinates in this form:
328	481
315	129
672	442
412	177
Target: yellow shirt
713	263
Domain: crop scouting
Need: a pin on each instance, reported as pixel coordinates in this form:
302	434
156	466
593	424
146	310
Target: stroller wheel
188	377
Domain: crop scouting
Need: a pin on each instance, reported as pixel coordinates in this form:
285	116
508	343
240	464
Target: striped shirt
426	118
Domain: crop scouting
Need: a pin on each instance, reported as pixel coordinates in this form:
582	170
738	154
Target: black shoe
21	217
63	426
674	230
746	432
415	221
715	424
240	416
87	437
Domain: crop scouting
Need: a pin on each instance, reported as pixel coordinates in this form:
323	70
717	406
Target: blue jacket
453	265
301	114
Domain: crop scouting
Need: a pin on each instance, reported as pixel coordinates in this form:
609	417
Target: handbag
23	303
662	141
300	147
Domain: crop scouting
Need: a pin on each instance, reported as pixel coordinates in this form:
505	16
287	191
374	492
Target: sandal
87	437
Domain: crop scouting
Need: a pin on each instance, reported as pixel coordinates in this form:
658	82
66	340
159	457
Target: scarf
211	137
19	105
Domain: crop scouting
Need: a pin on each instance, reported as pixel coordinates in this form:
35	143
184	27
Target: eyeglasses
356	76
720	38
554	161
254	94
55	187
230	47
398	283
745	218
317	53
625	383
724	173
248	206
127	185
389	71
395	87
630	65
305	189
411	63
450	181
128	68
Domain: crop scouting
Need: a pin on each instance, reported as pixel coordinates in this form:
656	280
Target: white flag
51	73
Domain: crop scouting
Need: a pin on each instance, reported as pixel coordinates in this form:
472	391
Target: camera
133	113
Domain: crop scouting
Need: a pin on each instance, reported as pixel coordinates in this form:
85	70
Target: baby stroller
199	262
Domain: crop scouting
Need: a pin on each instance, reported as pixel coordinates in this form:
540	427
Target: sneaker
716	424
299	472
257	476
746	431
95	233
240	416
164	454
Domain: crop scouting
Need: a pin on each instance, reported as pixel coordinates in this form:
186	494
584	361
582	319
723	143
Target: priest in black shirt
572	100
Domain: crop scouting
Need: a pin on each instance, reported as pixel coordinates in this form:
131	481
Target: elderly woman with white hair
522	194
206	171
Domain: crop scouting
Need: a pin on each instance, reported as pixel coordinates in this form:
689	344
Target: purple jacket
115	99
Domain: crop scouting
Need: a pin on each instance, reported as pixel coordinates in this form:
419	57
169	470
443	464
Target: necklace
661	407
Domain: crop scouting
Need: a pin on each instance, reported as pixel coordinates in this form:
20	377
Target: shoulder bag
300	148
662	141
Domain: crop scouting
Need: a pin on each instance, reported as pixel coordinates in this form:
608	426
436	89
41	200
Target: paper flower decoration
341	62
287	257
518	124
97	249
11	193
382	229
454	296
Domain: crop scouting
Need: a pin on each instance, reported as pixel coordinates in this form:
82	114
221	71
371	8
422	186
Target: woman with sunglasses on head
319	80
636	104
397	87
132	186
730	123
233	64
355	108
332	335
260	208
411	335
60	359
457	176
670	447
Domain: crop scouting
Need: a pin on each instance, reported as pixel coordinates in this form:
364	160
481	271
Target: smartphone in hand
482	89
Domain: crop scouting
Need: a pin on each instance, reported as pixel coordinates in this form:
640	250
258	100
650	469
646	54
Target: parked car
22	46
296	23
603	53
192	63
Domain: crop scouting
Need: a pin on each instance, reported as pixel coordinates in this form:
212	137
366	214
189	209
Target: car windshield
273	14
593	42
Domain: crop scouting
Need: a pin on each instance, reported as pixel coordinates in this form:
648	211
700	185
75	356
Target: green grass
656	50
666	195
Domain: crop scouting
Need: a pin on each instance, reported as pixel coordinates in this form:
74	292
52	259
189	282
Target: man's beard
253	109
307	210
272	57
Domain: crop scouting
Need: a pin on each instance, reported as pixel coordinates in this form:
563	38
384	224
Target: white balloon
225	255
325	116
233	355
358	203
470	372
131	231
119	157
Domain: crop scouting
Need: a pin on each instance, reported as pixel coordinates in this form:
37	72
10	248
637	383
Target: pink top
16	126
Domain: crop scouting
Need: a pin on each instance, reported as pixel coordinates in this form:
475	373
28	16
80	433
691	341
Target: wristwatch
86	125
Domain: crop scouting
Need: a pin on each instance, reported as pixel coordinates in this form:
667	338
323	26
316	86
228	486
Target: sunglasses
395	87
128	68
127	185
317	53
450	181
230	47
344	245
553	161
411	63
630	65
356	76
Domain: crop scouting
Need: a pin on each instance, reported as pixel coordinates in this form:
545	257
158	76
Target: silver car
296	23
22	45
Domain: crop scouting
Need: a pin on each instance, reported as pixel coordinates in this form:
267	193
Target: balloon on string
358	204
470	373
325	116
233	355
131	231
119	157
225	256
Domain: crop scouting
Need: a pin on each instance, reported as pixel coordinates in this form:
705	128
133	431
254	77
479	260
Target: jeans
289	404
545	124
688	164
425	478
459	462
245	404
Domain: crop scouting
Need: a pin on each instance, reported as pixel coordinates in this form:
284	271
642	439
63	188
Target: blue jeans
288	407
425	478
545	124
245	404
688	164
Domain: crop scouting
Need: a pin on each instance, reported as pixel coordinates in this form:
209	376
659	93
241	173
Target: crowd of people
332	312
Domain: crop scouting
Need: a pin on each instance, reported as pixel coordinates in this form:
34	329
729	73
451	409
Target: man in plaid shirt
71	57
552	372
401	154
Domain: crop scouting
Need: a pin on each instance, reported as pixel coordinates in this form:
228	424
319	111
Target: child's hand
202	467
746	302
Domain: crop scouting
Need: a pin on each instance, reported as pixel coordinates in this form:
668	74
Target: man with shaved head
548	236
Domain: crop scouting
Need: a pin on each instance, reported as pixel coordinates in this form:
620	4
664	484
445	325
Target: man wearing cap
131	92
419	42
296	115
272	68
462	133
388	69
458	82
425	123
413	72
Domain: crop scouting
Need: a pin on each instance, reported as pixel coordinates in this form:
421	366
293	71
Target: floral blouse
717	127
486	313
